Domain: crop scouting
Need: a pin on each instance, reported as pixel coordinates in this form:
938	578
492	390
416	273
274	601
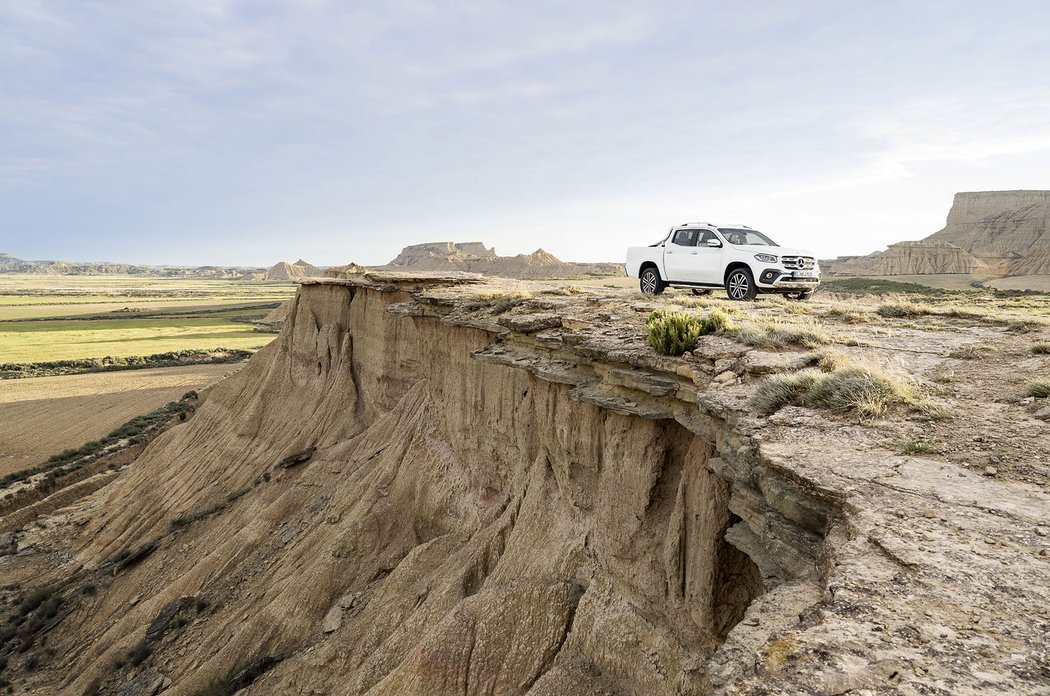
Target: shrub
1039	388
1041	348
674	333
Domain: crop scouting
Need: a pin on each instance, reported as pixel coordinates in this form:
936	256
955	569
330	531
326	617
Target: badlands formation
988	233
444	484
475	257
291	271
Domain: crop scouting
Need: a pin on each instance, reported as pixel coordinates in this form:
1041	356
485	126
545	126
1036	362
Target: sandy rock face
991	233
997	223
410	493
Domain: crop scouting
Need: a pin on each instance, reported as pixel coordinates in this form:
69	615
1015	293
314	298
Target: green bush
674	333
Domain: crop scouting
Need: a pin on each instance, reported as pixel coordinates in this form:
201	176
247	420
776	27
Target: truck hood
776	251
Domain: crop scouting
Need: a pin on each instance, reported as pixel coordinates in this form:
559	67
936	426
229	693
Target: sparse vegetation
905	445
846	388
139	654
829	360
1040	348
70	460
774	335
848	315
114	364
902	310
972	351
674	333
1039	388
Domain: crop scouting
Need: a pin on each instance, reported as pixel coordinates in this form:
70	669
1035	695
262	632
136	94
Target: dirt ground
44	415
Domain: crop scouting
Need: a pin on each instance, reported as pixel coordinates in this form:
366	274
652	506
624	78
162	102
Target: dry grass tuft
782	390
973	351
905	445
830	360
848	315
772	335
1039	388
844	387
1040	348
903	309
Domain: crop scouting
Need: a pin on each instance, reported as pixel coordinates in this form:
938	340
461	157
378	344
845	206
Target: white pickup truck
703	257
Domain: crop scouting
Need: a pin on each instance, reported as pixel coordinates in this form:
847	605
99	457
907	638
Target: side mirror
714	243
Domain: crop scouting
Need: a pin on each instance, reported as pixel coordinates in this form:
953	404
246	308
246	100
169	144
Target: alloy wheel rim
737	285
649	282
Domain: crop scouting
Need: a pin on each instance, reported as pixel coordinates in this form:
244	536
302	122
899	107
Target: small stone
990	471
332	620
928	513
725	377
135	600
1042	531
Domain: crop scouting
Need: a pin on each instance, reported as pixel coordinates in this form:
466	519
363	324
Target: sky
244	133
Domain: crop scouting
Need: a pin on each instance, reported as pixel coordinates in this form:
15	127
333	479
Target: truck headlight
766	258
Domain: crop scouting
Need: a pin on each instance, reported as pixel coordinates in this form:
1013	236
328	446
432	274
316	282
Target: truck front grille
799	263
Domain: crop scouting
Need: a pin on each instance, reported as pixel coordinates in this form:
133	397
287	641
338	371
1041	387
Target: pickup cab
704	257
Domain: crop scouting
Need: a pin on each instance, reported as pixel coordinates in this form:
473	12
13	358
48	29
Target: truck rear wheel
740	285
650	282
701	291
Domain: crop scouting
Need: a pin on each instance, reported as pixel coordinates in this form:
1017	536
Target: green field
48	318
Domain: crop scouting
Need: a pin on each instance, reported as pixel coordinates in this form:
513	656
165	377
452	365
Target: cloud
370	126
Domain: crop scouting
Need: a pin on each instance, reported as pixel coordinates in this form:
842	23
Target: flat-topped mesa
997	223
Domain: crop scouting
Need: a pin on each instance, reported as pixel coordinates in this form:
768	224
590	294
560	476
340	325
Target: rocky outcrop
988	233
486	500
997	223
917	258
1035	262
475	257
292	271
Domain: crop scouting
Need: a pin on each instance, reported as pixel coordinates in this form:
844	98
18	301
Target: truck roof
711	224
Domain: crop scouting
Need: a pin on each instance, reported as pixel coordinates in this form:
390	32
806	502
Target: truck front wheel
740	285
650	282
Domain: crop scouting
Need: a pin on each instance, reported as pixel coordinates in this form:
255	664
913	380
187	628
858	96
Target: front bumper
779	279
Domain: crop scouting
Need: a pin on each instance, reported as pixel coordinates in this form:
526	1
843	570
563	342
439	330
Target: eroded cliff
412	491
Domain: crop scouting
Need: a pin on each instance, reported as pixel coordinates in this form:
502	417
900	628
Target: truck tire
701	291
650	282
800	296
740	284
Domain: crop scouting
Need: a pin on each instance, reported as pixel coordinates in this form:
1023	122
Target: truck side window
706	236
685	238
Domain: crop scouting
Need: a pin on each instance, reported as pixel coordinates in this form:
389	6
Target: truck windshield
739	237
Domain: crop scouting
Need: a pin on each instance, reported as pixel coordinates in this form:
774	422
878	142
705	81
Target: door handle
693	253
668	252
